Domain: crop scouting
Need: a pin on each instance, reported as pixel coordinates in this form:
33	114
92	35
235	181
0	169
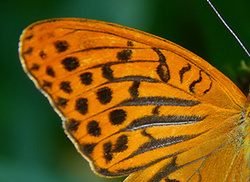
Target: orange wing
135	103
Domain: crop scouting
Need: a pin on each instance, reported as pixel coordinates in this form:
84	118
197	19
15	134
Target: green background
33	144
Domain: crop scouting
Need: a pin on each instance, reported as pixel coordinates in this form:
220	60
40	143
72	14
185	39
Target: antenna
232	32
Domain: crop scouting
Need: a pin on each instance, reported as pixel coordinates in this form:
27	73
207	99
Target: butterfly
136	104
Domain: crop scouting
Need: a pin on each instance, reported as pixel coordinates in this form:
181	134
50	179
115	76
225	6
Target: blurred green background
33	144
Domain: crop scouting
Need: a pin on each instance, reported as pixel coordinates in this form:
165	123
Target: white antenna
232	32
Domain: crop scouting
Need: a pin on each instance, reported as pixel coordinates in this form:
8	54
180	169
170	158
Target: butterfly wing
135	103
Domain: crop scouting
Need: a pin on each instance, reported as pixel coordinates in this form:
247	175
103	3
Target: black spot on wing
93	128
108	155
42	54
155	111
117	117
62	102
65	86
82	105
104	95
35	67
130	44
87	149
50	71
86	78
61	46
29	37
72	125
124	55
133	90
70	63
121	144
107	72
46	84
29	51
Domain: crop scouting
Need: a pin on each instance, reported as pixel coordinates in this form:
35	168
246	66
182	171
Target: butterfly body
139	105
